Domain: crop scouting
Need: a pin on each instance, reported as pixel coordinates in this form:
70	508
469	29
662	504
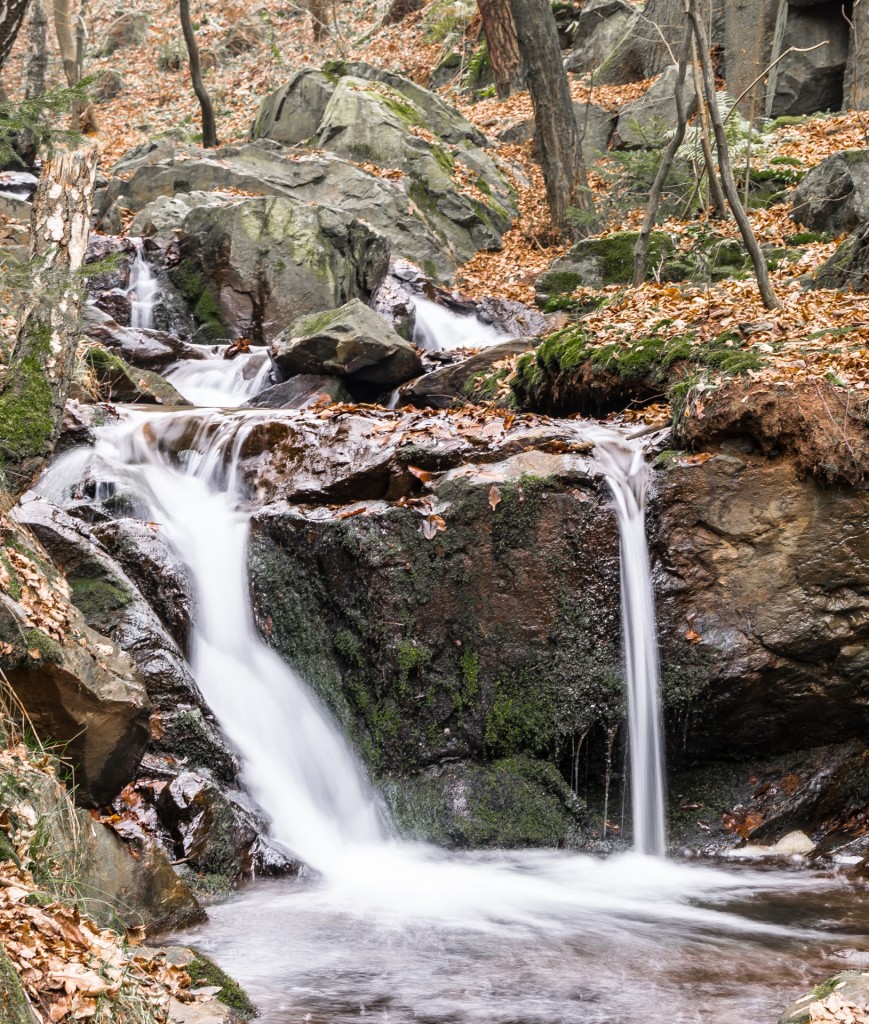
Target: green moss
808	238
27	419
205	972
443	158
826	988
197	290
36	640
411	658
97	599
315	323
398	105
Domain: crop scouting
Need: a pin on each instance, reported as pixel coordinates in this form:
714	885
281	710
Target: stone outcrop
806	83
645	121
252	268
834	195
351	342
848	268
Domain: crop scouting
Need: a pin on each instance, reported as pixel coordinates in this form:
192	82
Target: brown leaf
693	637
421	474
494	497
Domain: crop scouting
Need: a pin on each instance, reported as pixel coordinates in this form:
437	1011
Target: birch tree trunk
43	358
209	125
503	44
560	142
11	16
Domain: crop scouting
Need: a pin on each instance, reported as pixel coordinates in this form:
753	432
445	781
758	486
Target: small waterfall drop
143	291
221	383
438	329
628	477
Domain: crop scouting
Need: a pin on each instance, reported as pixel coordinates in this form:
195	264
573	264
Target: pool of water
411	934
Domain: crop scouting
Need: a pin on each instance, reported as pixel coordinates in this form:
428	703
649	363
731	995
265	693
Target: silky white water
394	931
628	476
221	383
439	329
143	290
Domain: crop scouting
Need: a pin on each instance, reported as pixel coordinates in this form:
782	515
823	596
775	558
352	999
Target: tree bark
11	16
641	249
503	44
557	130
728	182
83	116
37	59
209	125
319	18
43	358
719	210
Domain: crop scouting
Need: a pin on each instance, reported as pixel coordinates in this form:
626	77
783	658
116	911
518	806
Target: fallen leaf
494	497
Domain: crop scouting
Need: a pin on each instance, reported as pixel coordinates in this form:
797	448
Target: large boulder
604	27
596	126
352	342
121	382
300	391
807	82
292	114
251	268
79	688
643	122
463	195
834	195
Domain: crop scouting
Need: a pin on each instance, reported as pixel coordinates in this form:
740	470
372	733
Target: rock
80	423
596	126
605	28
293	113
108	86
15	1007
122	252
848	268
372	121
254	267
164	215
300	391
516	802
806	83
161	577
400	9
78	687
597	262
449	386
750	28
834	196
856	83
145	349
128	29
794	844
851	987
174	178
122	886
126	384
352	342
643	123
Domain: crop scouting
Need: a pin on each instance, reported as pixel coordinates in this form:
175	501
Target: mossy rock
515	802
129	384
204	972
598	262
569	373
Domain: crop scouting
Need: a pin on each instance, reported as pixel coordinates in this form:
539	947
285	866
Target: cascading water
221	383
143	291
628	477
400	931
438	329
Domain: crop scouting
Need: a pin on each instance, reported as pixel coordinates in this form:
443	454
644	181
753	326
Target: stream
380	929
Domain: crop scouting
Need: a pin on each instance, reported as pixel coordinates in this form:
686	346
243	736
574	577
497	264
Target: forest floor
250	49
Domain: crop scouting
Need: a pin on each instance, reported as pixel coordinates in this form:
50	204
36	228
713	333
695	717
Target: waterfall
439	329
297	762
143	291
628	477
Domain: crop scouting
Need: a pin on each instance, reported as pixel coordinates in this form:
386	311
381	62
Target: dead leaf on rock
494	497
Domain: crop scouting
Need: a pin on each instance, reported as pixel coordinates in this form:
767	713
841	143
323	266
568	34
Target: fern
38	118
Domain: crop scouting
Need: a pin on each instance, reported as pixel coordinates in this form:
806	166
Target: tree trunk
37	59
83	116
557	130
209	125
641	249
770	300
43	358
11	16
503	44
319	18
